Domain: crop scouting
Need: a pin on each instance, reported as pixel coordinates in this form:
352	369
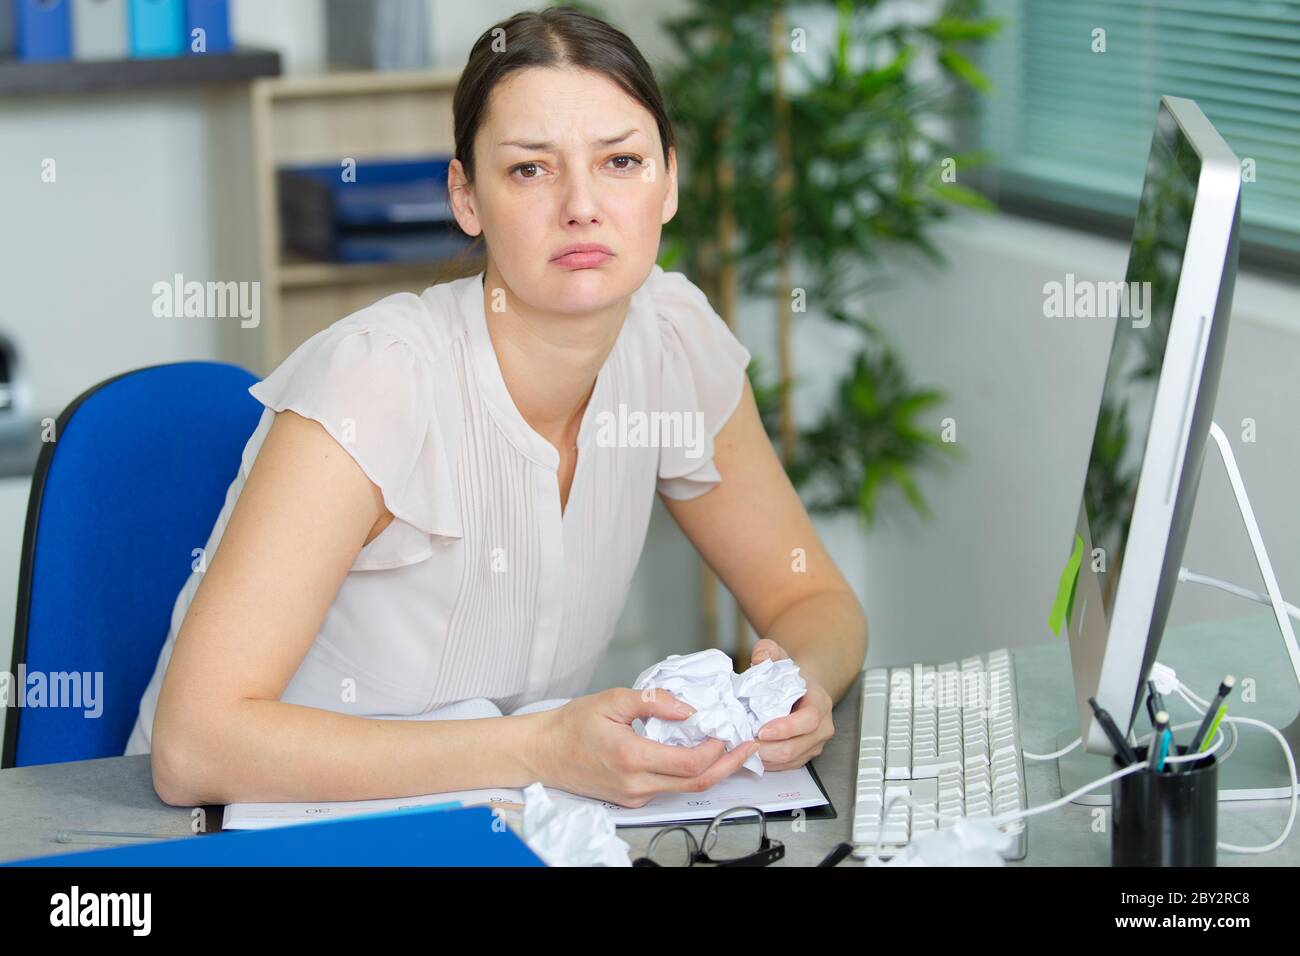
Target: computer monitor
1155	413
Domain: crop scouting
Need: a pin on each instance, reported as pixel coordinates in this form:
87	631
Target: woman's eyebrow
607	141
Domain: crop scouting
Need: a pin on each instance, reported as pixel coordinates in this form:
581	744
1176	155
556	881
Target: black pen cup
1166	818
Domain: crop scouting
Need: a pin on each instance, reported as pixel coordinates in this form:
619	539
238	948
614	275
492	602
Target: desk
116	793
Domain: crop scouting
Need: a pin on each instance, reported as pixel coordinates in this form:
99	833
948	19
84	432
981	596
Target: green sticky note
1063	606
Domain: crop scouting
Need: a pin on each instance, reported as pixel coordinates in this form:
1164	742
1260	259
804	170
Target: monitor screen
1137	351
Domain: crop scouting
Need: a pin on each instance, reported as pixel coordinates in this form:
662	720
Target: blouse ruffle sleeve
703	377
373	391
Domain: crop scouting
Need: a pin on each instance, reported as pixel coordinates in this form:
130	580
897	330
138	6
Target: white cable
1056	755
1295	788
1164	677
1043	808
1052	756
1191	577
1188	695
1197	702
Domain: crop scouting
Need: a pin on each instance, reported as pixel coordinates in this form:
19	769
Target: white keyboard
946	735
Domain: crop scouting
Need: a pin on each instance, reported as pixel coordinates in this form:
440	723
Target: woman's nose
581	198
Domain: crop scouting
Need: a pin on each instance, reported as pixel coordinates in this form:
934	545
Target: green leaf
956	29
873	81
867	494
961	196
670	253
903	478
960	66
866	184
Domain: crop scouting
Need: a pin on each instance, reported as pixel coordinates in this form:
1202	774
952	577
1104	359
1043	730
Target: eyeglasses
727	842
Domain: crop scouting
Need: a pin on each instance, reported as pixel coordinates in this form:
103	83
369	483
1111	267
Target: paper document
773	791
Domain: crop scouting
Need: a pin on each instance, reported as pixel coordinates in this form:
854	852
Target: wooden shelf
301	273
361	83
321	119
18	77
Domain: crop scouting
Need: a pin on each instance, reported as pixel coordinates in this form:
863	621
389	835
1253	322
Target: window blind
1077	84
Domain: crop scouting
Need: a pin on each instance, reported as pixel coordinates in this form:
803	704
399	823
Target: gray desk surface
116	793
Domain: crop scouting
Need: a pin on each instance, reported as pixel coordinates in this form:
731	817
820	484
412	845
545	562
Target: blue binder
213	18
157	28
44	29
395	211
416	837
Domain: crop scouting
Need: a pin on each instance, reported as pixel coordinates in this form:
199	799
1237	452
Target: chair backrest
131	484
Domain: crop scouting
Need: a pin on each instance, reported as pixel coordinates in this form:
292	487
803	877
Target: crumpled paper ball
570	833
729	706
970	841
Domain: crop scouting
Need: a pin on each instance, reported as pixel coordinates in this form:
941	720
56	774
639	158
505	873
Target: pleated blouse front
481	586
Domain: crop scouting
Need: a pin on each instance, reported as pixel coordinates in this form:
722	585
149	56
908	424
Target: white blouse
479	586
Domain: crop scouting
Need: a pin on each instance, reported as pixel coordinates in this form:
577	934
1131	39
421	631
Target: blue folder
157	28
416	837
44	29
213	18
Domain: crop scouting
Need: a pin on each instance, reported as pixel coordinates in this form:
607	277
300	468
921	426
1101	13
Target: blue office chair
132	484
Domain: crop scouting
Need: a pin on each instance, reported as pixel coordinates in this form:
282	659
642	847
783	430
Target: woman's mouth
585	256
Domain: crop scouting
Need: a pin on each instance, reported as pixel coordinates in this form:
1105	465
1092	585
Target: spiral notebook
779	794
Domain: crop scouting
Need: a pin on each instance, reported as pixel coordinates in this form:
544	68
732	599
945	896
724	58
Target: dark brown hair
555	37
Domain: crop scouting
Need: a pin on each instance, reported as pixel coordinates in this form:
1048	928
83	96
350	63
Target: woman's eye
623	163
635	159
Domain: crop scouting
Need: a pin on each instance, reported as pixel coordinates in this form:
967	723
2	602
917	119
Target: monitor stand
1257	769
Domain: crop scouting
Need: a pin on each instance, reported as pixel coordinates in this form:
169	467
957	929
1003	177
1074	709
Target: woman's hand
787	743
589	747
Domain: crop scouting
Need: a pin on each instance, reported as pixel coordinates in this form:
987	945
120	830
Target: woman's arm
221	733
753	531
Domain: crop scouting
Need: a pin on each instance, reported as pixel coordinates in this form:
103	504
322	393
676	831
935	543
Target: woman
434	506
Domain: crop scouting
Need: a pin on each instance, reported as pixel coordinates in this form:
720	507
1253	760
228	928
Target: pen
1210	722
1164	737
104	836
1122	749
840	852
1223	709
1155	702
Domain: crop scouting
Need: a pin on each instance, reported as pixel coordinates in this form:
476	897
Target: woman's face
565	157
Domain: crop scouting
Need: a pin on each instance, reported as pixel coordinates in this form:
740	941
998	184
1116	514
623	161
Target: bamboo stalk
720	290
728	283
784	187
